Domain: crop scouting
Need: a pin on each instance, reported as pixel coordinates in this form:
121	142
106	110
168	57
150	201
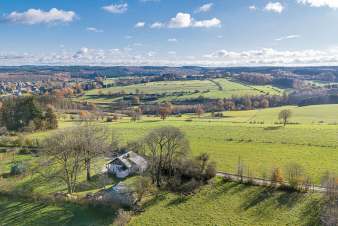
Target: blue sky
169	32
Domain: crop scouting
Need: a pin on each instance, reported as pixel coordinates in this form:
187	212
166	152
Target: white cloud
157	25
94	29
214	22
134	57
184	20
116	8
140	24
181	20
287	37
204	8
252	8
320	3
172	40
275	7
38	16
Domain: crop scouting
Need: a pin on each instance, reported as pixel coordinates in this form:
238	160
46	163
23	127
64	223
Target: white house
127	164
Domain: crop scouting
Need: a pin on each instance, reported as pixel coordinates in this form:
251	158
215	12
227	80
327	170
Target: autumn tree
165	110
277	176
199	110
284	116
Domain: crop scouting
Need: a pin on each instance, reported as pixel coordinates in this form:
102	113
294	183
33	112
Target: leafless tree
94	141
284	116
165	145
329	214
63	158
294	174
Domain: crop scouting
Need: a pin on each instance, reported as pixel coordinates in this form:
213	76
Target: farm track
265	182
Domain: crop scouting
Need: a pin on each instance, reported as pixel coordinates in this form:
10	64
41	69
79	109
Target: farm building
127	164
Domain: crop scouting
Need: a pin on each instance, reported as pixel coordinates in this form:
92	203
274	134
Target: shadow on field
154	200
97	181
222	187
311	212
258	197
177	201
25	213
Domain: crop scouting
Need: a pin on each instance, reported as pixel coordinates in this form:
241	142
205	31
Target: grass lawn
232	204
19	213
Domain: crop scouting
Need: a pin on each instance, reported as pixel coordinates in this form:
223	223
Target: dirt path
264	182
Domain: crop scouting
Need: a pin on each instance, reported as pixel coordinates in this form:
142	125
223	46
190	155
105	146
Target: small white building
127	164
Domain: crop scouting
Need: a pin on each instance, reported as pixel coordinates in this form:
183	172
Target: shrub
17	168
109	119
24	151
123	218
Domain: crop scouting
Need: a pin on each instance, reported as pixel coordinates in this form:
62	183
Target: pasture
231	204
252	136
183	90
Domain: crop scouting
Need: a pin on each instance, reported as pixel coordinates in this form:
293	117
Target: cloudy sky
169	32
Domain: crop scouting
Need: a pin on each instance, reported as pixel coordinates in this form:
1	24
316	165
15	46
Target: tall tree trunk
87	163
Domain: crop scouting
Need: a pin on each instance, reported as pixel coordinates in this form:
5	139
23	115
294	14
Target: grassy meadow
217	88
311	139
254	136
231	204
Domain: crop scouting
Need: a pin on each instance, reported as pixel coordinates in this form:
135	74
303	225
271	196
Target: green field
311	140
194	89
253	136
232	204
26	213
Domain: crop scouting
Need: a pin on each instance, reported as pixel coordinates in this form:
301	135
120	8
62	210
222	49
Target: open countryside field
232	204
253	136
217	88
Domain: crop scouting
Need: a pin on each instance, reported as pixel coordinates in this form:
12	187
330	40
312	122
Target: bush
17	168
123	218
24	151
109	119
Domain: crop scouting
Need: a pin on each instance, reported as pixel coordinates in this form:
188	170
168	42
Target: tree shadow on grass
179	200
153	201
97	181
290	199
311	212
222	187
14	212
257	197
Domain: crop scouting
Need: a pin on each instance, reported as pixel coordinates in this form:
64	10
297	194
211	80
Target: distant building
127	164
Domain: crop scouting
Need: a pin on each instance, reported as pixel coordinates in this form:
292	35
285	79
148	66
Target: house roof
130	158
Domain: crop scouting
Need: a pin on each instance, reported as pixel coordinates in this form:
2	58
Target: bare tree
63	158
294	174
284	116
329	214
199	110
94	141
165	145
